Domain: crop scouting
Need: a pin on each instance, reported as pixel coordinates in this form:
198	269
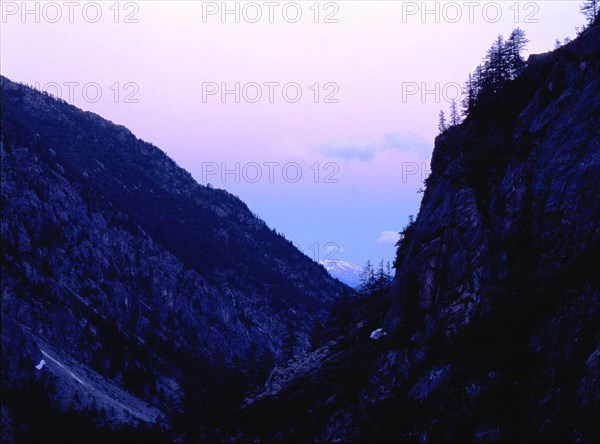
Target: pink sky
369	54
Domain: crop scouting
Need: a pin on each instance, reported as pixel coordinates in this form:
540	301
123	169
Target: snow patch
344	271
378	334
63	367
93	389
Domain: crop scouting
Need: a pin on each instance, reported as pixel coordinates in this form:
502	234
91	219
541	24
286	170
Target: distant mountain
125	275
346	272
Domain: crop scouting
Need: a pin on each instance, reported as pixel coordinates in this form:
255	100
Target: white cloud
349	150
388	238
365	151
407	142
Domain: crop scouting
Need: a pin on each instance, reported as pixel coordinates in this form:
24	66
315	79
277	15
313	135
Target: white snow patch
344	271
378	334
63	367
40	365
74	377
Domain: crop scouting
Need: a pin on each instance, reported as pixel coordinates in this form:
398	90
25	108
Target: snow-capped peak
346	272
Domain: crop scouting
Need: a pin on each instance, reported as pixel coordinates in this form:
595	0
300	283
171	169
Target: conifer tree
381	279
496	66
442	125
468	101
388	270
454	117
590	8
503	62
515	45
367	278
477	83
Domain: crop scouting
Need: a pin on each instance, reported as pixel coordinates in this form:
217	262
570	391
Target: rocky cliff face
494	323
500	268
126	276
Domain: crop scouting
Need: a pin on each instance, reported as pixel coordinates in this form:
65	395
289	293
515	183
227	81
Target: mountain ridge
115	256
344	271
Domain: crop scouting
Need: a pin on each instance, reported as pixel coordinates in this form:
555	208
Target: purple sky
362	158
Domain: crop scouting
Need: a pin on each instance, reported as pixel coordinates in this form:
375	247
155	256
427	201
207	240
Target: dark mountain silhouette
493	321
139	305
151	298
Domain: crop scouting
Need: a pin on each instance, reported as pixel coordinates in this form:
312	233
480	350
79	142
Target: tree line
503	62
591	9
375	280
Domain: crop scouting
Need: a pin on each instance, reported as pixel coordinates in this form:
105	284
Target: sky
321	116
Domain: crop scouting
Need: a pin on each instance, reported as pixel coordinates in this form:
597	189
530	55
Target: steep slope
120	262
498	279
494	323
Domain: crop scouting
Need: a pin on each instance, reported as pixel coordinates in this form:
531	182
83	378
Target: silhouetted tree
515	45
367	278
375	281
442	125
503	62
478	81
591	8
469	92
401	244
495	67
454	116
383	277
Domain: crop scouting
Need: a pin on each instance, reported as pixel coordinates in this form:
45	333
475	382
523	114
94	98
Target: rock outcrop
495	313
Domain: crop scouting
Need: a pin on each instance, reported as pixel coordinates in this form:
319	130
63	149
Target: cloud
388	238
366	151
347	150
407	142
